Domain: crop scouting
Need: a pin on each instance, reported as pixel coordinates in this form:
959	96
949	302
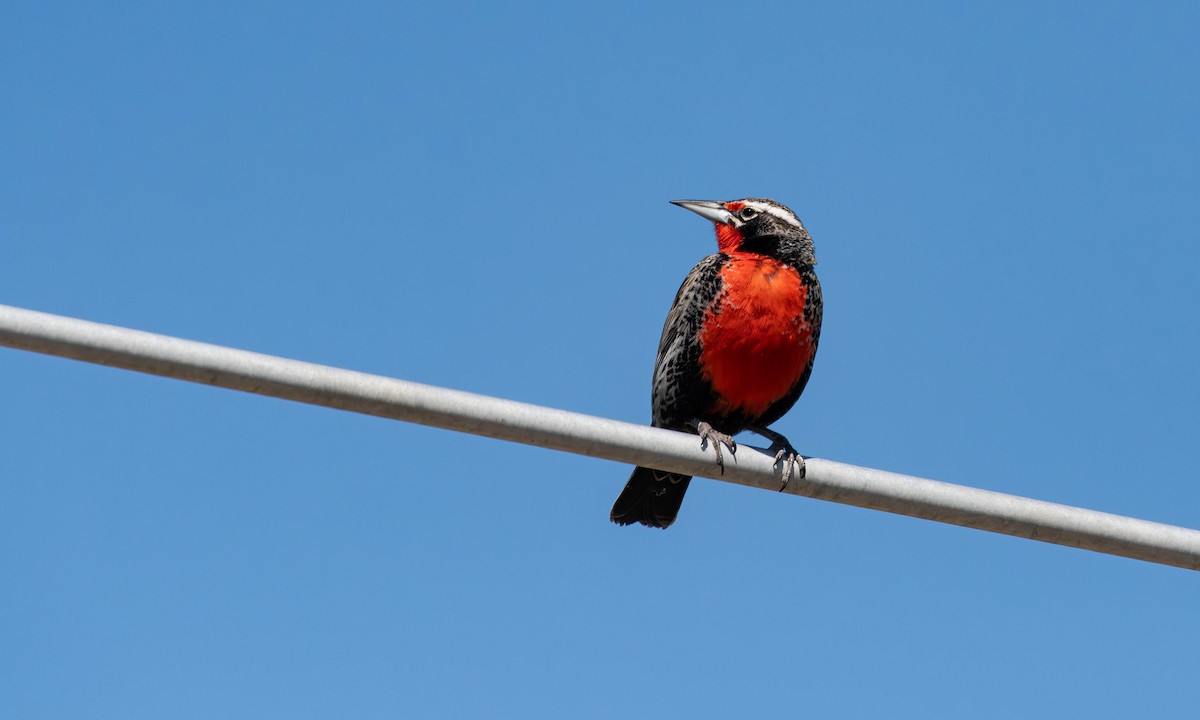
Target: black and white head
755	225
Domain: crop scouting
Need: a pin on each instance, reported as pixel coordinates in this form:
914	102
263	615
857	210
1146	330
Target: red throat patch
728	237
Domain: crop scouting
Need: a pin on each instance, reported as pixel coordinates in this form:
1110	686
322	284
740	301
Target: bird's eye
748	213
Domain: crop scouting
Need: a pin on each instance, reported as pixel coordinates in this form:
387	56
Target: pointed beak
710	210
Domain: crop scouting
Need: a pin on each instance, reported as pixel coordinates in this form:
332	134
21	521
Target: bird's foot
791	459
793	462
708	434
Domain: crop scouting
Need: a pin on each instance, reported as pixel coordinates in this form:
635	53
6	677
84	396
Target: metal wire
588	435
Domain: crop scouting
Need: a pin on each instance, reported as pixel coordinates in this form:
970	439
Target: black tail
651	497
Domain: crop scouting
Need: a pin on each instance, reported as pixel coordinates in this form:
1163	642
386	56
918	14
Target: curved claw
784	452
708	434
791	457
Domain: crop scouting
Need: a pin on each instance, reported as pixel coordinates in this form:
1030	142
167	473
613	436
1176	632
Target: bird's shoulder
676	367
695	294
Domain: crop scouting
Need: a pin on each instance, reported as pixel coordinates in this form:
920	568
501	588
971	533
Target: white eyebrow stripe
777	211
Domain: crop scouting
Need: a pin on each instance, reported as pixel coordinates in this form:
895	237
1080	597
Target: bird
737	347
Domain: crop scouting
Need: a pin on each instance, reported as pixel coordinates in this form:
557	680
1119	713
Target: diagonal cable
588	435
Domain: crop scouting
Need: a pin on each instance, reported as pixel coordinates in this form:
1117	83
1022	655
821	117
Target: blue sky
1003	201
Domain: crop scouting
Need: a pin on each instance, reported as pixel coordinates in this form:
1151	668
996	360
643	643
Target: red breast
754	341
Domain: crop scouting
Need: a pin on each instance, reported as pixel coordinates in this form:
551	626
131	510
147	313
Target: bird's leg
783	452
708	434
